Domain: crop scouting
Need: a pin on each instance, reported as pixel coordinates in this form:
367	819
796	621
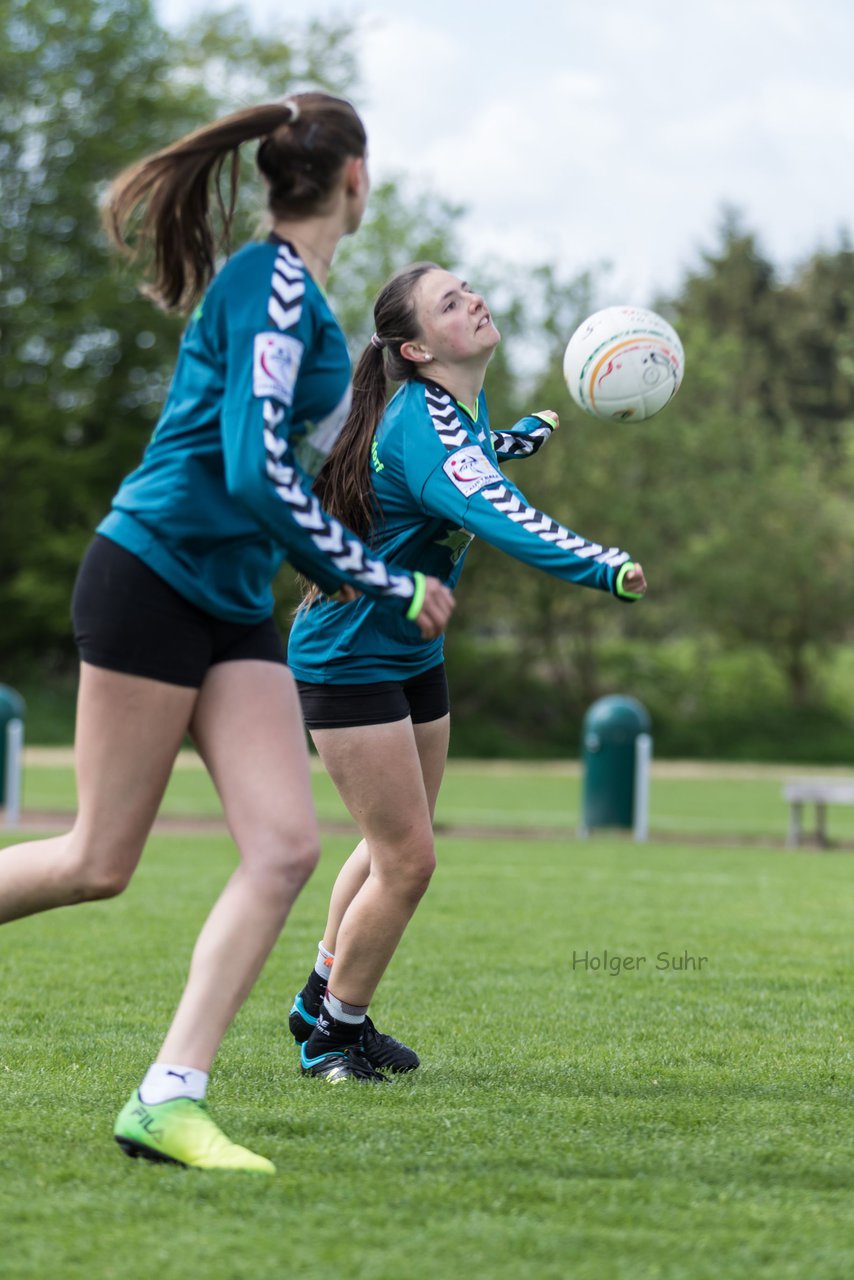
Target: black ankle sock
329	1034
313	993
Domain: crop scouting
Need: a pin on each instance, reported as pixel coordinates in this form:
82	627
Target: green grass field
567	1122
706	801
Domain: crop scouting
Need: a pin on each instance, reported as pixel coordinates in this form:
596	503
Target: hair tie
376	341
293	107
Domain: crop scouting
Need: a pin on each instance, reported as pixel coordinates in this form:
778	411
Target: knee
90	881
284	859
91	864
304	855
412	877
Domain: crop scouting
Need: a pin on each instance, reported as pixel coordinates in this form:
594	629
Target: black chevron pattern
537	522
509	445
287	289
329	537
346	554
453	435
449	429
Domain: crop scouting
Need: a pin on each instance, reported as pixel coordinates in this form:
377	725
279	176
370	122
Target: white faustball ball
623	364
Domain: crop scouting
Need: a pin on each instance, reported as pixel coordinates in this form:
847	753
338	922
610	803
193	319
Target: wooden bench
818	791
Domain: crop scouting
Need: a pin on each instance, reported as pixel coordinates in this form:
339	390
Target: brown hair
344	483
305	142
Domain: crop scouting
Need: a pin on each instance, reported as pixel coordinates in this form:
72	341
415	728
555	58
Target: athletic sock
166	1080
315	988
323	963
339	1026
312	994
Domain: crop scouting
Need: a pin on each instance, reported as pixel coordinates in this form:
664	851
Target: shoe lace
360	1065
373	1039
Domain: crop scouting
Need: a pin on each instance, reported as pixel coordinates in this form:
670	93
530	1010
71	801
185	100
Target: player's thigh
248	729
431	741
377	770
128	733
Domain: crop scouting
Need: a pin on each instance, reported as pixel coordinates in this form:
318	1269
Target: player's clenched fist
435	610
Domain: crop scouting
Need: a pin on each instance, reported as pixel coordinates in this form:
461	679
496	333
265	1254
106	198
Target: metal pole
14	751
643	759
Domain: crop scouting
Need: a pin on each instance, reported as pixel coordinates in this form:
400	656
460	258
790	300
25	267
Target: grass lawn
697	801
570	1120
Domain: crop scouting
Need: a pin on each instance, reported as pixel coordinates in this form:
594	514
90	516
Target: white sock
165	1080
323	963
352	1014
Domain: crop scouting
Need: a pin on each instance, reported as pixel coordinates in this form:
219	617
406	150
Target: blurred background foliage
736	498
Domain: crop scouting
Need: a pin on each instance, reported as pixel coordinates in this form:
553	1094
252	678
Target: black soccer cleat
384	1053
340	1064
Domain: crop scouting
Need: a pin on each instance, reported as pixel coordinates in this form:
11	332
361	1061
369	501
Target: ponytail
305	142
344	483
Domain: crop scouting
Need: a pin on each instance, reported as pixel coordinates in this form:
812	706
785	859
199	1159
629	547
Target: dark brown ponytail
306	141
344	483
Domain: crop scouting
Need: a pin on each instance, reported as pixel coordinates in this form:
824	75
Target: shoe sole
342	1079
337	1068
139	1151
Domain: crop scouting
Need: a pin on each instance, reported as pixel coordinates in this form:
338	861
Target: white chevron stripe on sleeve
347	555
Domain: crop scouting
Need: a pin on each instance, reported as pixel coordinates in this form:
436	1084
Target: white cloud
574	133
406	65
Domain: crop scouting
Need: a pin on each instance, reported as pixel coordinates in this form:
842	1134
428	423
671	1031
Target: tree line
736	498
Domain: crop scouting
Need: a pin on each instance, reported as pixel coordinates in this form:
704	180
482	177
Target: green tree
89	86
819	369
773	565
586	477
402	225
762	431
82	364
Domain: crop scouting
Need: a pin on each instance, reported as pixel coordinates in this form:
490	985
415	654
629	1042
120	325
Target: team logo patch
275	366
470	470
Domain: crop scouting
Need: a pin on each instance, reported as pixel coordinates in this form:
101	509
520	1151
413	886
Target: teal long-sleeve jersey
437	483
223	493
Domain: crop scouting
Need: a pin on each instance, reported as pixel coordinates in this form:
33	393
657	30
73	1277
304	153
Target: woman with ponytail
173	605
418	479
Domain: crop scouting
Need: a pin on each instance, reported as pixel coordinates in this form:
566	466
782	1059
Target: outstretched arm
526	437
467	487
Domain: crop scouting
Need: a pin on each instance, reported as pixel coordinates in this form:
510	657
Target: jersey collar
437	387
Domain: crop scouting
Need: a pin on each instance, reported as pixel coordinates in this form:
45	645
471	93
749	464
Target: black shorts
126	618
346	706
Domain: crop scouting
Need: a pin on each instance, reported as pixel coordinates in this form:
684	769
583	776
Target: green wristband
618	585
418	596
546	421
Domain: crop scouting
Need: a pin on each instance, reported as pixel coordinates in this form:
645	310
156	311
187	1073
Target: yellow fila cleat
181	1132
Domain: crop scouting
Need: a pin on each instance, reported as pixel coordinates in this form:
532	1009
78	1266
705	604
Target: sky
581	133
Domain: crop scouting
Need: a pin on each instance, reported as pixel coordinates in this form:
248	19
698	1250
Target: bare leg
382	773
432	746
348	882
128	733
248	729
